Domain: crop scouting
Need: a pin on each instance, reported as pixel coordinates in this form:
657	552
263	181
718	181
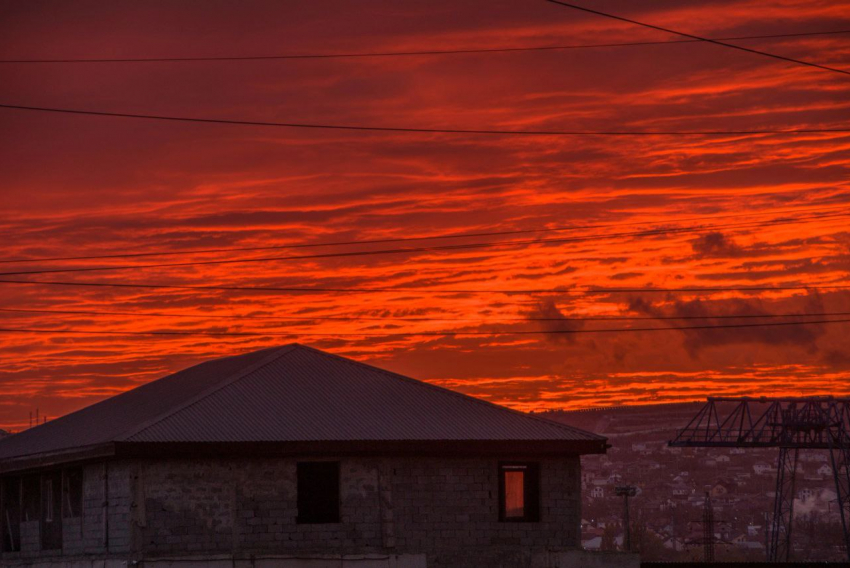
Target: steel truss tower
708	529
790	424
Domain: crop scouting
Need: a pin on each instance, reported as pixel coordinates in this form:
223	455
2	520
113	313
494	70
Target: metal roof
286	394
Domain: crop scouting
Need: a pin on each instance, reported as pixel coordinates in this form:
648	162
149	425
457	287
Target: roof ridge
467	397
228	380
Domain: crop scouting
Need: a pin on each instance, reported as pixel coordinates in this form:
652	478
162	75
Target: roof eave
19	464
405	448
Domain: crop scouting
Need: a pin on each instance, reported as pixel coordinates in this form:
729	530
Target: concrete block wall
86	534
251	506
449	509
30	539
446	508
72	536
93	503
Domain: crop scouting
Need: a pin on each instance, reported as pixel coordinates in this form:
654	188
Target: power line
416	318
434	248
696	37
576	291
422	333
407	53
412	130
413	239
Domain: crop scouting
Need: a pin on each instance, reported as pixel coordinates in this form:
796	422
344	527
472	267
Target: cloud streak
85	185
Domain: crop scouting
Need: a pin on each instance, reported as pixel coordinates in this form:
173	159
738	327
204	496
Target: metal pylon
708	529
783	507
840	459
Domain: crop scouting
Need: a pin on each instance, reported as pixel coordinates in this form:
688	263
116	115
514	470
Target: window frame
306	517
530	490
73	494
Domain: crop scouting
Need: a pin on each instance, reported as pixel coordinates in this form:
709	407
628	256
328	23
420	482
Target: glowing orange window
519	492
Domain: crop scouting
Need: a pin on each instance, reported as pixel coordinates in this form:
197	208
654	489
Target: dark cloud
695	341
557	323
716	245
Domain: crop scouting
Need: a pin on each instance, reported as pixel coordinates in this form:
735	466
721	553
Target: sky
599	212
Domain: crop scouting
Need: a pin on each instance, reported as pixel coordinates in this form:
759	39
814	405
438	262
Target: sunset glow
743	210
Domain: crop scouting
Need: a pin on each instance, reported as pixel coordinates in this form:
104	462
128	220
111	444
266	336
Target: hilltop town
667	512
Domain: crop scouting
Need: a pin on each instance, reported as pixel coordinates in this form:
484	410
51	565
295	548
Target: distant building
288	454
721	489
598	492
805	494
824	470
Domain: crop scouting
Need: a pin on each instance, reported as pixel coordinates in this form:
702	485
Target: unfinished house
292	457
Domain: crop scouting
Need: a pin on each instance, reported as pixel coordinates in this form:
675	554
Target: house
285	454
762	469
598	492
721	489
805	494
825	470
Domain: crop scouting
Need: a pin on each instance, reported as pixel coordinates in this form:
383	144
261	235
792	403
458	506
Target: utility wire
415	239
424	333
405	53
436	248
412	130
699	38
415	318
573	291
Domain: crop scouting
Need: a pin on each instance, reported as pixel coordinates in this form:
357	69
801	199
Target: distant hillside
614	421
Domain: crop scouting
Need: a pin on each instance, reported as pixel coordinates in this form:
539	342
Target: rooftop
291	398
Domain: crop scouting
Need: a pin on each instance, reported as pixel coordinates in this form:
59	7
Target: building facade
399	474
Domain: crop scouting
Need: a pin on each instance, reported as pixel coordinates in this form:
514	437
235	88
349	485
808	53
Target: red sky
82	185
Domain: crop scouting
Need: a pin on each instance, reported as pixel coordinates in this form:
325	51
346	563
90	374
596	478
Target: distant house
762	469
680	490
287	454
824	470
598	492
721	489
805	494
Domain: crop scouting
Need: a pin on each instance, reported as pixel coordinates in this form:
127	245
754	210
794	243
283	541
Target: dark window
72	493
31	496
51	501
519	492
11	516
318	492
